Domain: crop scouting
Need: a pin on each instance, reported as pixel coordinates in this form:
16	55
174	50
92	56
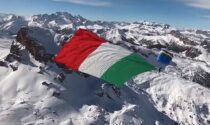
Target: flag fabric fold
88	53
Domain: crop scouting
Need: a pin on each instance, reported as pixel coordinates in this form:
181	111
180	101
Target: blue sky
178	13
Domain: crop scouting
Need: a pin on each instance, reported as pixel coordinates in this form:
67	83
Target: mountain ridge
36	90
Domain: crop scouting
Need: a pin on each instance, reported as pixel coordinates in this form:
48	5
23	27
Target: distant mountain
2	16
36	90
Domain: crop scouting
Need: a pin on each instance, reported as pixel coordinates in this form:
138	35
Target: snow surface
5	44
27	102
33	94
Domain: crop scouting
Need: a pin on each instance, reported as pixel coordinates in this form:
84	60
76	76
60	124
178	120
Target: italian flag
88	53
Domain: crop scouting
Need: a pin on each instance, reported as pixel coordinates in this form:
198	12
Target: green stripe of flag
126	68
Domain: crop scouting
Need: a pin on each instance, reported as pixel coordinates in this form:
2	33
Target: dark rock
181	37
13	57
65	40
158	46
36	50
41	70
176	123
192	52
176	48
14	68
15	49
3	63
202	77
14	53
206	44
129	40
135	49
49	57
66	31
16	22
86	75
202	32
45	84
60	77
39	47
56	94
170	46
166	26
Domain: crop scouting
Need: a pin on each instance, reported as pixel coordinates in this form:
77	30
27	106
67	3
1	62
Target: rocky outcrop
176	47
192	52
203	32
202	77
3	63
14	53
41	47
158	46
206	44
12	23
181	37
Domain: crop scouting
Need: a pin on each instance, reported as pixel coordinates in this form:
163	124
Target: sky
177	13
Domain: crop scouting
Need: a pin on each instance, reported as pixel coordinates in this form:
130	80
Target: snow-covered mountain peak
2	16
36	90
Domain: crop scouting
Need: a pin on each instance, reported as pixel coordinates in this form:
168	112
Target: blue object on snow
165	57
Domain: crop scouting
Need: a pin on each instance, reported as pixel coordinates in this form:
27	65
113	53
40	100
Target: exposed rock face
177	48
130	40
14	53
3	63
60	77
206	44
37	46
203	32
202	77
158	46
181	37
12	23
192	52
14	68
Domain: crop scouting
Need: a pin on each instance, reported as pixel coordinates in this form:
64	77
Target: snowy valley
34	90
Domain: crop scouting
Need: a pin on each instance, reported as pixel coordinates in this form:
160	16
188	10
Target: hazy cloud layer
88	2
203	4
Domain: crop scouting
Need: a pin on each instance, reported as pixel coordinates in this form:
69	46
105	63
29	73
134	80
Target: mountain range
34	90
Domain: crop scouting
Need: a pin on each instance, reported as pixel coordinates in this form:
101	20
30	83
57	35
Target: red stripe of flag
82	44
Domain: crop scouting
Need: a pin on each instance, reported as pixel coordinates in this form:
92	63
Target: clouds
202	4
88	2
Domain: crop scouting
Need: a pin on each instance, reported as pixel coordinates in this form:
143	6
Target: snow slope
5	43
43	93
24	102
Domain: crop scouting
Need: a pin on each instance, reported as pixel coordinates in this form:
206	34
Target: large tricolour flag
86	52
